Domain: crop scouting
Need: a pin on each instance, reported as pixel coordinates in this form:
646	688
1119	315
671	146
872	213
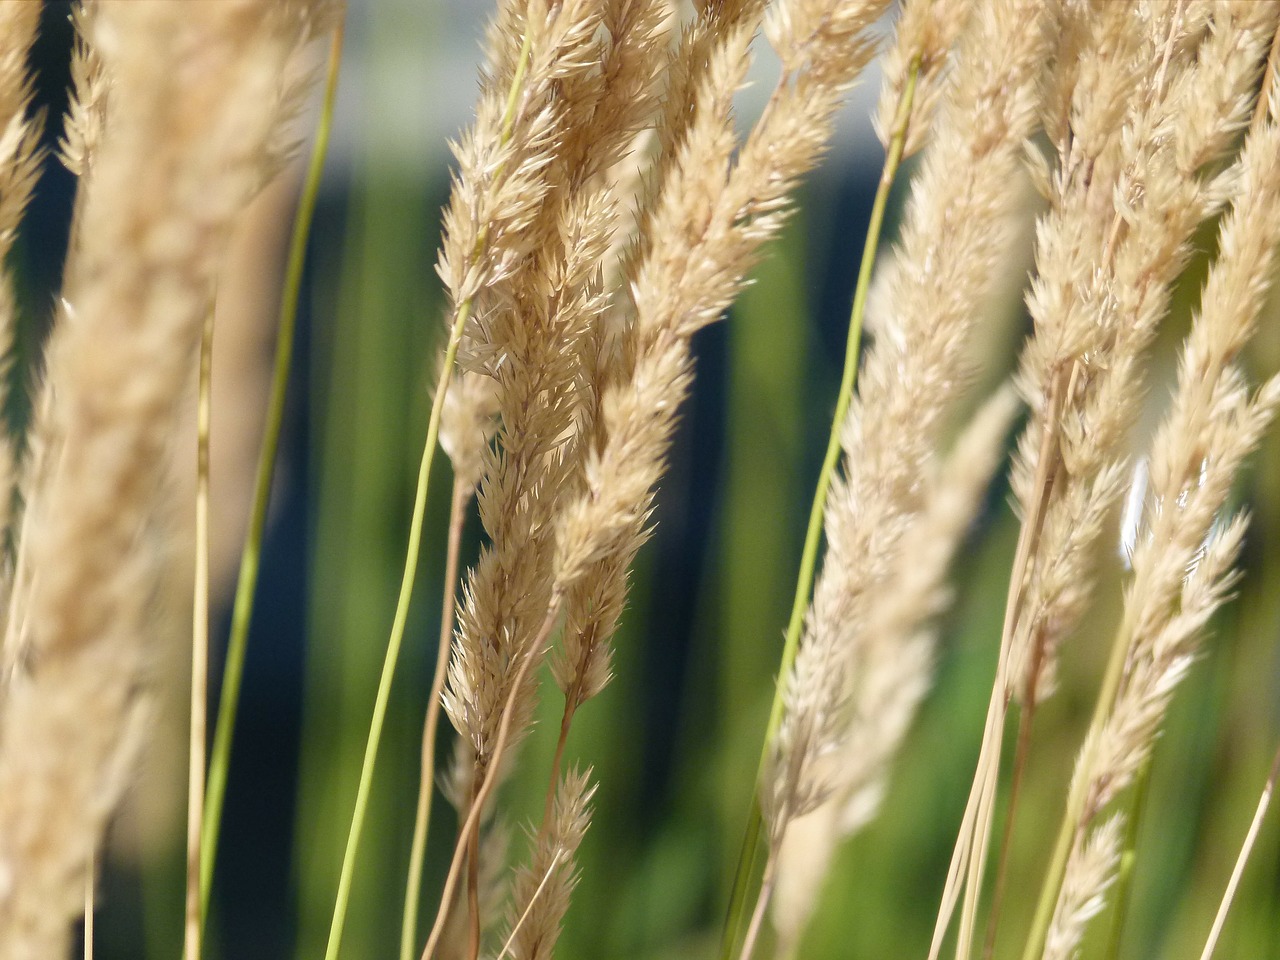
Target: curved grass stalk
412	550
1123	886
422	816
1246	849
813	534
399	622
194	912
88	907
472	823
247	581
1070	828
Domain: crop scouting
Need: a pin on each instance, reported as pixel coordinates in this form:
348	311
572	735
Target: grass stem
88	905
968	857
813	533
1020	754
1074	817
472	824
1251	837
1123	887
250	558
762	904
426	784
193	927
412	551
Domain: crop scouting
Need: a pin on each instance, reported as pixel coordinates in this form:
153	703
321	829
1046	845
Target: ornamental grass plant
987	669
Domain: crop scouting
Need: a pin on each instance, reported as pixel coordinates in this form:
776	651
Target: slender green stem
1128	856
813	533
194	926
426	787
412	551
246	584
398	625
1074	815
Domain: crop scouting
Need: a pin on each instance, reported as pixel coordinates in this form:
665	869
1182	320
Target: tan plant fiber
1090	872
19	165
709	216
192	112
1184	557
542	887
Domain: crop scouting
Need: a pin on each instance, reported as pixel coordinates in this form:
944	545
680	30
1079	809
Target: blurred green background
674	740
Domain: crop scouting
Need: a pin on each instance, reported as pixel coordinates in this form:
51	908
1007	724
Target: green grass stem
412	552
250	558
813	533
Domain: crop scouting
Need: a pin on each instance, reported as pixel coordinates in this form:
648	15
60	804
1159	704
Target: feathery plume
20	157
529	338
1182	566
542	887
1183	560
1132	174
191	96
958	222
706	223
86	102
886	671
1090	872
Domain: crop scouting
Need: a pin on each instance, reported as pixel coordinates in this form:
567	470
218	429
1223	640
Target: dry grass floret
192	110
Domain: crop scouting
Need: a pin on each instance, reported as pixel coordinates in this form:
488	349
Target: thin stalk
762	904
194	924
250	557
1073	817
472	823
400	620
813	533
1128	857
976	821
542	885
88	907
1020	755
426	787
1246	849
473	892
557	759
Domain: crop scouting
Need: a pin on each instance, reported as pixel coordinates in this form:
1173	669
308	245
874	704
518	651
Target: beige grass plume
1183	560
705	226
591	82
191	111
1128	190
1097	306
528	336
886	671
927	300
19	166
543	886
